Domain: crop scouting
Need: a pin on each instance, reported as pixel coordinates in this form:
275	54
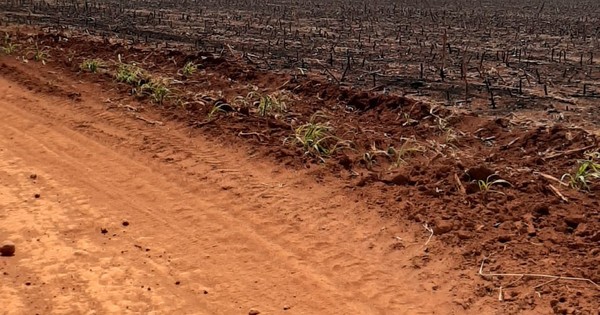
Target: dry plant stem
545	283
230	50
149	121
533	275
513	283
511	143
206	122
430	230
259	136
550	177
127	107
558	193
283	85
568	152
461	187
329	72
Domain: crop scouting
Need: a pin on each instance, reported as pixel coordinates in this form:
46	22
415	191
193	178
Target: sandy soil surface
118	203
111	215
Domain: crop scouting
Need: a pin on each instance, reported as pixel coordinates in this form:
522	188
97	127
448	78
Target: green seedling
160	93
154	88
408	148
586	171
91	65
272	104
486	186
317	138
40	54
130	74
370	157
217	109
9	48
157	90
189	68
251	98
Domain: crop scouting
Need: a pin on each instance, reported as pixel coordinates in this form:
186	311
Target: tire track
248	234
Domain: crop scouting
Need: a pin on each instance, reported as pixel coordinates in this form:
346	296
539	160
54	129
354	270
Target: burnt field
476	120
485	54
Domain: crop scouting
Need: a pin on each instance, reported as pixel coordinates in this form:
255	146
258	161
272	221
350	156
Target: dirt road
134	217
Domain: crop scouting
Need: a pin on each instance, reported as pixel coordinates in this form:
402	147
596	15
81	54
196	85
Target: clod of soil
103	231
574	220
8	249
464	235
253	312
399	180
442	227
33	176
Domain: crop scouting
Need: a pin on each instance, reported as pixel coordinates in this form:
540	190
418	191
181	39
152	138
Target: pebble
8	248
442	227
464	235
253	312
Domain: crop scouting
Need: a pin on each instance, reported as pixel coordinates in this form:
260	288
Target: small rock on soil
442	227
8	249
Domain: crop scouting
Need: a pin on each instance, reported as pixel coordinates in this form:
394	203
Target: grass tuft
157	89
397	156
316	137
91	65
272	104
219	107
8	48
130	74
40	54
188	69
487	184
586	171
